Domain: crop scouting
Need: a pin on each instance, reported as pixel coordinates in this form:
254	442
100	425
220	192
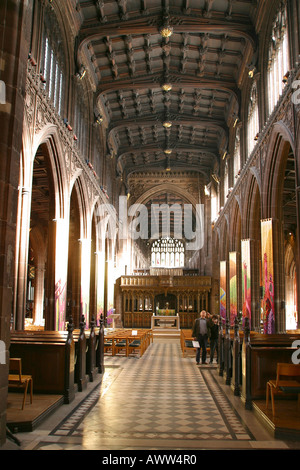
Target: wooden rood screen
137	297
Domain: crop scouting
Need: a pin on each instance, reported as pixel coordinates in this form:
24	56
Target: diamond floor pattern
161	401
160	395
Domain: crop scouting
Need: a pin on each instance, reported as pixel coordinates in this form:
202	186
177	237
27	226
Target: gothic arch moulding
49	136
280	143
224	240
235	227
80	186
167	188
251	214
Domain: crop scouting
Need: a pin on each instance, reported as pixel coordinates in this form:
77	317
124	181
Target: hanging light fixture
168	151
98	119
81	72
166	87
167	124
166	31
252	71
168	166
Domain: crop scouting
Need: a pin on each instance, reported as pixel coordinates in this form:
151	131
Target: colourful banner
246	280
268	311
85	278
100	284
233	286
110	288
223	291
60	305
61	271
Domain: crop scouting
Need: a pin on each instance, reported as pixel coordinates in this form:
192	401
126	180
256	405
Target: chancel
149	171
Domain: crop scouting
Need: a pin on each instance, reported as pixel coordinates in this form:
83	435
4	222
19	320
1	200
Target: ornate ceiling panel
129	59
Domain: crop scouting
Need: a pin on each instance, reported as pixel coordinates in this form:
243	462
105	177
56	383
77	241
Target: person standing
200	334
213	337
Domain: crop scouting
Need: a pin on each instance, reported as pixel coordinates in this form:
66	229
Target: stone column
15	18
39	293
22	261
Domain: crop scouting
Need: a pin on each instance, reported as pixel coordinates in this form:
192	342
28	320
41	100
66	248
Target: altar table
165	321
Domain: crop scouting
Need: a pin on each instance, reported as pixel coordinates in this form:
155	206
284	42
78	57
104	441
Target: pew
80	356
186	342
89	352
126	342
235	352
91	343
49	356
100	347
227	345
61	361
260	355
139	341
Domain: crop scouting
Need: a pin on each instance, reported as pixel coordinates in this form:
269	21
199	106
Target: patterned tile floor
159	401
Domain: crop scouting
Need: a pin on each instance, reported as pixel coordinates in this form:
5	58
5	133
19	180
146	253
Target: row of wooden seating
251	363
127	342
186	343
60	362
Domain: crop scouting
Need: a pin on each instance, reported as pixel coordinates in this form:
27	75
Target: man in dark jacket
200	334
213	337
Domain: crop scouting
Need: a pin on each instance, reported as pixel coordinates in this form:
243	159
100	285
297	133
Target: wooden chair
17	380
285	383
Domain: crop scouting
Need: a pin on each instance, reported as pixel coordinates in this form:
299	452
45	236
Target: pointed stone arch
280	143
279	203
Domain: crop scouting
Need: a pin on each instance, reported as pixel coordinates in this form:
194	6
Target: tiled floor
160	401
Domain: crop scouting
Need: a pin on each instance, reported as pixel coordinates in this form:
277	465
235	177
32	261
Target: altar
165	321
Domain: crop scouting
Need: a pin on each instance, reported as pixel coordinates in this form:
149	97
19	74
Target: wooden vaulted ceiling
128	60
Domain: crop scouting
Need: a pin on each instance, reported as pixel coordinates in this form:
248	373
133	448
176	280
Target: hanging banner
233	286
60	305
100	284
246	280
223	291
110	291
268	312
85	278
61	272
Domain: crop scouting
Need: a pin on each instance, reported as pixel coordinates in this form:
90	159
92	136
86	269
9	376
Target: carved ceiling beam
197	121
216	131
178	81
158	151
180	24
129	172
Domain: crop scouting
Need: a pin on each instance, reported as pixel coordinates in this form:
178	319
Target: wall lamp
81	72
252	70
98	119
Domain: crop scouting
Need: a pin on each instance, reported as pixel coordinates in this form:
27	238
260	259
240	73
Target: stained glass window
167	253
278	60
